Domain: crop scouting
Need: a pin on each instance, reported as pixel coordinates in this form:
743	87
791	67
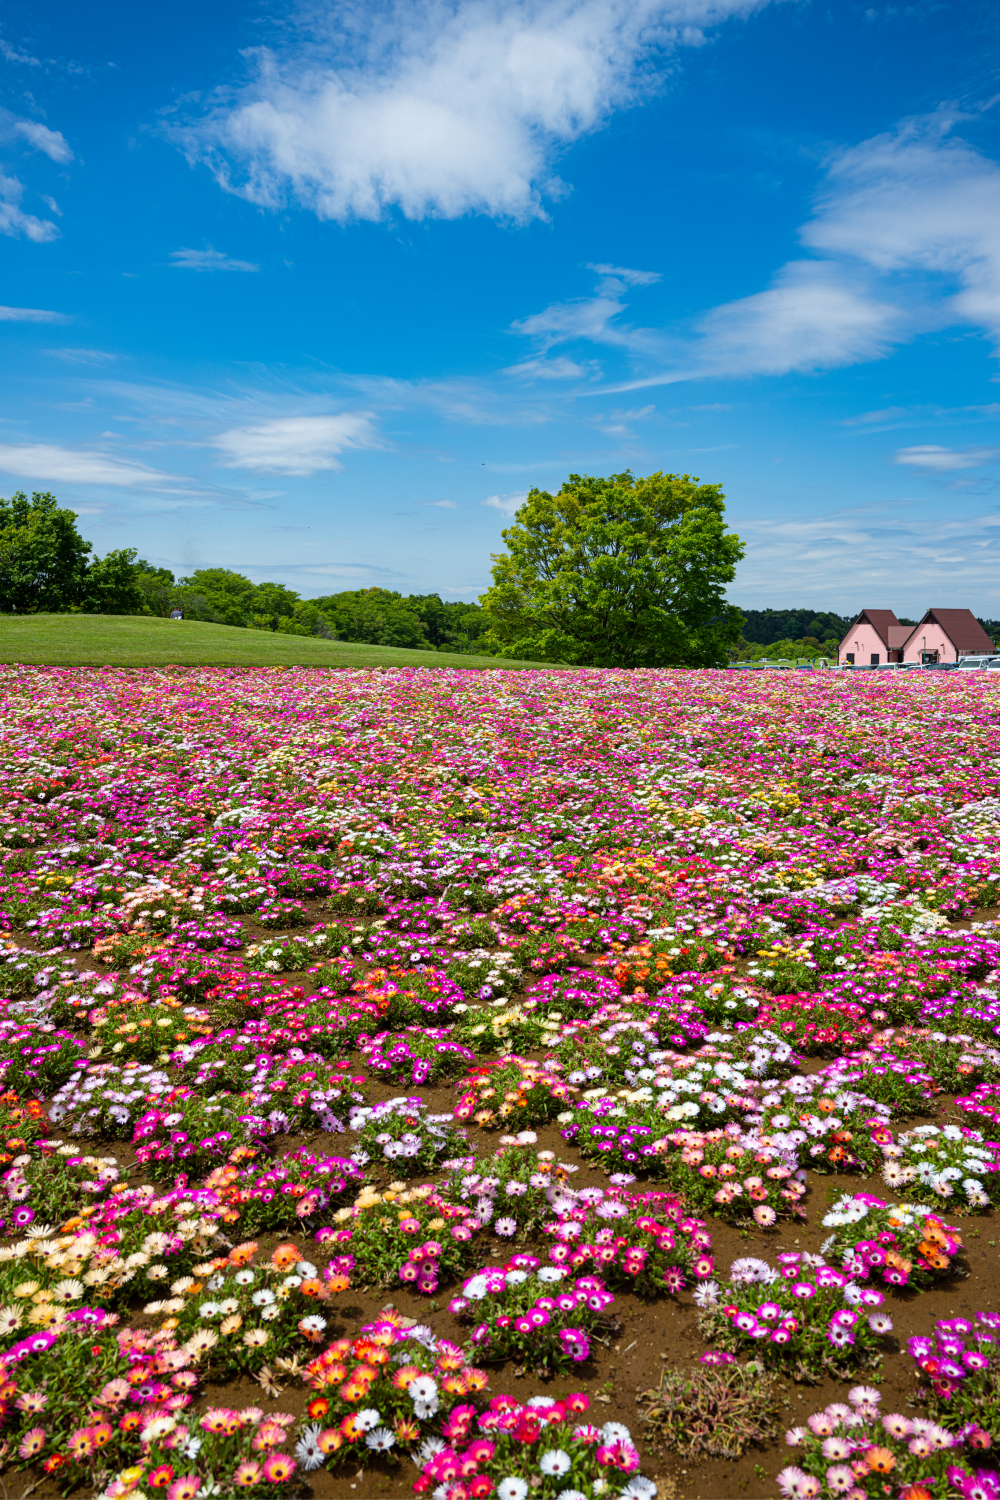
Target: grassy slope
143	641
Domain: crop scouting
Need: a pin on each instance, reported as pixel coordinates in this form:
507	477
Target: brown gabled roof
961	627
883	620
898	636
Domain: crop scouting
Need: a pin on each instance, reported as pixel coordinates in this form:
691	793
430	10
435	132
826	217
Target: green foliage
805	648
43	558
112	587
770	627
619	572
377	616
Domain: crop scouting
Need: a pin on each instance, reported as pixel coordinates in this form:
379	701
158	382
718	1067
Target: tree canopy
623	571
45	564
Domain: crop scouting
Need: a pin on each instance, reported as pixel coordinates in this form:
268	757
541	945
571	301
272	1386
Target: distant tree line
45	565
619	572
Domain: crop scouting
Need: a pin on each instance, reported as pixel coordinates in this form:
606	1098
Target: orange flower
915	1492
880	1460
403	1377
350	1429
330	1440
317	1408
285	1257
243	1253
335	1284
476	1380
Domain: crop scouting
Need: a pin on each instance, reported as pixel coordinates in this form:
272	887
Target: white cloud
814	317
559	368
908	230
506	504
943	460
296	445
209	260
869	556
13	220
442	504
592	318
52	142
81	356
44	464
438	109
13	56
30	315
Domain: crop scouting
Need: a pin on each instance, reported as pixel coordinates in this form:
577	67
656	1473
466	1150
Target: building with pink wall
945	635
875	637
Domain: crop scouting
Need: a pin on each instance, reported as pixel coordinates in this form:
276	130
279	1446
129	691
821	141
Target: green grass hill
147	641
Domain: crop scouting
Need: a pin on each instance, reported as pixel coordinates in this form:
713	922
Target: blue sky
318	291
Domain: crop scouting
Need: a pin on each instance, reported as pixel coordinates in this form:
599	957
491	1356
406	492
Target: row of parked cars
977	663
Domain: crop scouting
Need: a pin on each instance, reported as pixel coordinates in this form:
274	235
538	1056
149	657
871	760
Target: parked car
979	663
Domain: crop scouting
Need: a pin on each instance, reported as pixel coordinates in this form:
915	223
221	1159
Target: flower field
543	1085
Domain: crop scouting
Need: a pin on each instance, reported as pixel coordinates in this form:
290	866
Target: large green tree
43	558
618	572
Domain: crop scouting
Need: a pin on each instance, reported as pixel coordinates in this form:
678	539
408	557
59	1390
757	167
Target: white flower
615	1432
423	1388
368	1419
555	1461
639	1488
511	1488
380	1440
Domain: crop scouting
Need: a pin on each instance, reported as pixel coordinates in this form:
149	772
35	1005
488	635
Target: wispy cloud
296	445
30	315
438	111
208	260
14	221
593	318
506	504
942	460
10	54
51	142
442	504
43	463
81	356
906	237
868	557
559	368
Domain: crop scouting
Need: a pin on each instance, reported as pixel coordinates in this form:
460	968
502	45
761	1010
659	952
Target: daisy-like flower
247	1476
864	1395
380	1439
896	1425
256	1338
184	1488
839	1479
512	1488
32	1443
880	1460
837	1448
555	1462
506	1227
880	1322
367	1419
279	1467
308	1453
